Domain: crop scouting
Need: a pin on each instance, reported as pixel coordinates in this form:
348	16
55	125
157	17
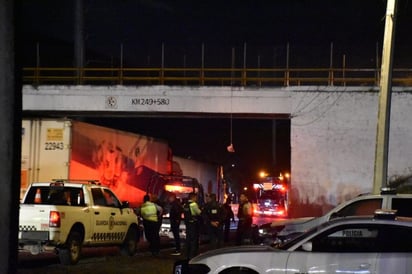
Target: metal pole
37	55
331	65
37	73
244	66
377	77
287	66
232	74
184	66
382	136
258	75
343	69
79	39
163	65
121	65
202	72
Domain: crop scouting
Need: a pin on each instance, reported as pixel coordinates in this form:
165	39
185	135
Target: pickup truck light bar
92	182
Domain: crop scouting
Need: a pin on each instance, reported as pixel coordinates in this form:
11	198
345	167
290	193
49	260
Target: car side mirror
334	215
307	246
125	204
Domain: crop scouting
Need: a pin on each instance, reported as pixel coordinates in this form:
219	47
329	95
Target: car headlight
263	231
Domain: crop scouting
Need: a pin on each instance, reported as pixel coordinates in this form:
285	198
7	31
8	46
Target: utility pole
384	110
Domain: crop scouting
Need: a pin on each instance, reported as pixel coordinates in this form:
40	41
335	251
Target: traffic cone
37	197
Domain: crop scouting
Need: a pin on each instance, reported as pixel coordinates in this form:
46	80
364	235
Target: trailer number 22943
53	146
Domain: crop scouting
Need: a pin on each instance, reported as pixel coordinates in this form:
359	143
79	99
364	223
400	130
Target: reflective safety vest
148	211
190	210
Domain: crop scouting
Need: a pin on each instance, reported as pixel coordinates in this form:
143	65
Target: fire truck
271	197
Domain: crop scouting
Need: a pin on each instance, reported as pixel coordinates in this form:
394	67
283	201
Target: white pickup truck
62	216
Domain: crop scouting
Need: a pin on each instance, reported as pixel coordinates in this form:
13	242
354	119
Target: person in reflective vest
150	213
192	215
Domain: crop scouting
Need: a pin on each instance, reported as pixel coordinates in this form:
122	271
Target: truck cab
271	197
182	186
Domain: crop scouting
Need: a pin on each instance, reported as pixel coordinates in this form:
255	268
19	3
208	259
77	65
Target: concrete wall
333	145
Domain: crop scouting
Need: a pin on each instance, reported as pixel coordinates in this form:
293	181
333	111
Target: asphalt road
103	260
107	261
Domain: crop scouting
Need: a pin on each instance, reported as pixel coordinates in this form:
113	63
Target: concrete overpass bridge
333	127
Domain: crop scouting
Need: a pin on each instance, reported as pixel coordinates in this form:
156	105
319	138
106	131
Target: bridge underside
154	114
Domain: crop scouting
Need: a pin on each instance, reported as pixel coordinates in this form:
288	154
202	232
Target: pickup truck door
108	223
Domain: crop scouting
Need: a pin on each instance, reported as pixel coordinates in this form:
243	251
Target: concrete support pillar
10	140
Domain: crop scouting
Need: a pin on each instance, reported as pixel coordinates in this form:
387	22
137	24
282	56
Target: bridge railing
258	77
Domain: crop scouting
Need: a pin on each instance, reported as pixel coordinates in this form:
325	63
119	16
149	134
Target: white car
343	245
362	205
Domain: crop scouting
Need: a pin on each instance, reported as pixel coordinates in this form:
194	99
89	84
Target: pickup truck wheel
70	253
129	246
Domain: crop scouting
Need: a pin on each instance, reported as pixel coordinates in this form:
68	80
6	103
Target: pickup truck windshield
46	195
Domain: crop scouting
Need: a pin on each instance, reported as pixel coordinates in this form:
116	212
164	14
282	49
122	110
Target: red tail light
54	219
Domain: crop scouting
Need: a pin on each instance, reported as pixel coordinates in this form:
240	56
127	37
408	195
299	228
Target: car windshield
270	194
302	236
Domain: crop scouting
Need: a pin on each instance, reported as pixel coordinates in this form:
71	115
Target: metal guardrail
259	77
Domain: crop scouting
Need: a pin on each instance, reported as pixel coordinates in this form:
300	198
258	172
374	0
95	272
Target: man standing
245	219
155	199
213	213
150	213
192	214
228	217
175	216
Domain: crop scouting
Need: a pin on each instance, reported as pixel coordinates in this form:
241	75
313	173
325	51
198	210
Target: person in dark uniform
150	213
228	217
175	216
245	219
213	213
192	215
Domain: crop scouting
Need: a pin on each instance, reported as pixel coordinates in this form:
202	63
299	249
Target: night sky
309	26
355	27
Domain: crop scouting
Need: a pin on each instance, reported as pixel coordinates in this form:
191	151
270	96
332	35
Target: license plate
178	269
